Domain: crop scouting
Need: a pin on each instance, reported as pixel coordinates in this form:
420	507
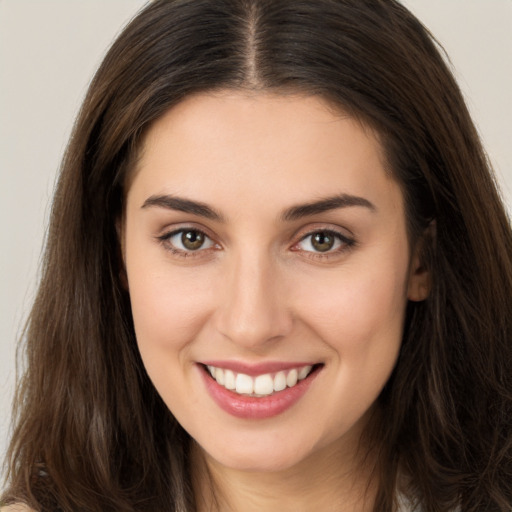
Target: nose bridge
253	308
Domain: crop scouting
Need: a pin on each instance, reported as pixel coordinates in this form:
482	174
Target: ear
123	278
420	278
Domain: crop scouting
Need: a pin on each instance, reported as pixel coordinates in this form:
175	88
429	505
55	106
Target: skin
257	290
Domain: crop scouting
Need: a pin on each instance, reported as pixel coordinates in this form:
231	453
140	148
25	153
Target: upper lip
254	369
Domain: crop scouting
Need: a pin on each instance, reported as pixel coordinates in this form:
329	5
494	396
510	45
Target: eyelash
344	243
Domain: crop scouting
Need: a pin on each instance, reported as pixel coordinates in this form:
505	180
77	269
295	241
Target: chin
262	455
259	463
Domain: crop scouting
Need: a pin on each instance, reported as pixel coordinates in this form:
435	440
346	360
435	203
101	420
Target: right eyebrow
181	204
324	205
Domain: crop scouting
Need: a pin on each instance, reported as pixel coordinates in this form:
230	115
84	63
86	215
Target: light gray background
49	50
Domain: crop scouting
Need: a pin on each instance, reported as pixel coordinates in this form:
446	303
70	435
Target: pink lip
247	407
255	369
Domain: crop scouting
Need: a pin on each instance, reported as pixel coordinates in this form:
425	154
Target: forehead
276	148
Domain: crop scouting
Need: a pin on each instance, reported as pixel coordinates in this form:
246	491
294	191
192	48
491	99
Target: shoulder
17	507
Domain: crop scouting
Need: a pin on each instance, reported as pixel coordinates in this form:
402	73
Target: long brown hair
91	431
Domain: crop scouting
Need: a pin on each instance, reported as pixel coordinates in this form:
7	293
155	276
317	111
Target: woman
277	277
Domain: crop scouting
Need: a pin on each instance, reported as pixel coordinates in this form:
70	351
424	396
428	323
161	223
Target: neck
331	479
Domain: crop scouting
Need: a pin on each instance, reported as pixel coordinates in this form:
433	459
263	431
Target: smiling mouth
263	385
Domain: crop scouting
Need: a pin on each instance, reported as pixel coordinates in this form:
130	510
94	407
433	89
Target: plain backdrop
49	50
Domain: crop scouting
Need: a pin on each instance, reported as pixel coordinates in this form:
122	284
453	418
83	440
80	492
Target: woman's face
266	245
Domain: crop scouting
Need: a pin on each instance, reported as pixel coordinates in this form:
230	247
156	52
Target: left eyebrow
326	204
183	205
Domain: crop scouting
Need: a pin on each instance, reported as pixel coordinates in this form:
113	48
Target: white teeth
264	384
291	378
219	376
229	380
280	381
261	385
304	372
244	384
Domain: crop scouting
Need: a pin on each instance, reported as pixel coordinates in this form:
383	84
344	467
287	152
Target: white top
405	505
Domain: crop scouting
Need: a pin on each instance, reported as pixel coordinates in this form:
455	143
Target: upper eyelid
330	231
168	231
326	228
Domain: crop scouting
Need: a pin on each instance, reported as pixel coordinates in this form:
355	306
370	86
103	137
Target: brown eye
322	241
192	240
185	241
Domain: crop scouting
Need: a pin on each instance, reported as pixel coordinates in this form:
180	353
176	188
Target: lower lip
248	407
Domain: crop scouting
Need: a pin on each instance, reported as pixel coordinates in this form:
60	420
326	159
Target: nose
253	310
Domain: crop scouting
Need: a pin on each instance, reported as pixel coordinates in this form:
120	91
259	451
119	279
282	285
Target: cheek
169	310
357	310
168	307
359	319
